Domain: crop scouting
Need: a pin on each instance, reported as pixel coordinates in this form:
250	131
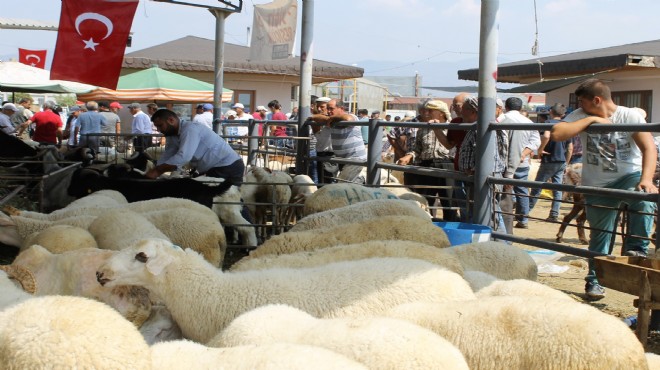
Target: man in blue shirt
141	125
90	122
193	142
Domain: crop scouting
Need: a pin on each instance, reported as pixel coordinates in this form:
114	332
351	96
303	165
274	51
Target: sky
389	37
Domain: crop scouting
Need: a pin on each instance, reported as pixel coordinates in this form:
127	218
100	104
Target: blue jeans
602	220
312	167
460	200
522	195
554	171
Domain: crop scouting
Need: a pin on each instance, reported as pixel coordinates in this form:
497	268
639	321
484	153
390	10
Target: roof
193	53
15	23
630	56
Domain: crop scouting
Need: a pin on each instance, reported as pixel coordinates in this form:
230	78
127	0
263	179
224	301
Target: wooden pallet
637	276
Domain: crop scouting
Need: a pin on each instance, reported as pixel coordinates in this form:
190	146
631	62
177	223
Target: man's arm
566	130
646	145
159	170
569	152
545	139
319	118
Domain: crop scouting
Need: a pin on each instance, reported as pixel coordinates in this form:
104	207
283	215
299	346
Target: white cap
260	108
323	99
9	106
230	113
238	105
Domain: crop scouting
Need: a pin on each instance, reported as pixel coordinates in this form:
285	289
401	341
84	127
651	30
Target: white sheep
403	192
504	261
61	238
269	187
74	273
101	198
653	361
339	195
377	342
15	229
59	332
191	288
350	252
183	354
370	209
382	228
118	228
302	187
529	333
522	288
11	293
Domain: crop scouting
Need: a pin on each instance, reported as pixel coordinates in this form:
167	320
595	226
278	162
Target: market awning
19	77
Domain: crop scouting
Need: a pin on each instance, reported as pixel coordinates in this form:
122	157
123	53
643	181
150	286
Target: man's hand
152	173
647	186
405	160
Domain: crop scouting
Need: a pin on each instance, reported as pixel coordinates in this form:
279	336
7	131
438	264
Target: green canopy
158	84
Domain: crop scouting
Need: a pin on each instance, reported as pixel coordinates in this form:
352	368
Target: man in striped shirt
346	140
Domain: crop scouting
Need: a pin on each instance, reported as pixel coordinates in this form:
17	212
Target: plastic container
463	233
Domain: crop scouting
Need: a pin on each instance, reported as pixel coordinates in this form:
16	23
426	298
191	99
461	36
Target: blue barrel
464	233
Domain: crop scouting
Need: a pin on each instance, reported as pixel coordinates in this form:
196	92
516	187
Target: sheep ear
156	264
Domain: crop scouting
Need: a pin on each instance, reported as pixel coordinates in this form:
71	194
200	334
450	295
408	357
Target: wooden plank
644	311
623	274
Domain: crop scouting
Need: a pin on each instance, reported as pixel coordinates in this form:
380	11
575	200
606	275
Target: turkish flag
91	41
34	58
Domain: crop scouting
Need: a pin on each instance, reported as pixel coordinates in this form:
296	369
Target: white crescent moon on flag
97	17
27	57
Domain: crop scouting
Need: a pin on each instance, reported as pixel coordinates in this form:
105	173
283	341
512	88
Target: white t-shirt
608	156
205	118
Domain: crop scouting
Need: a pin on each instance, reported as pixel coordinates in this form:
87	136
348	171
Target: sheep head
9	232
138	264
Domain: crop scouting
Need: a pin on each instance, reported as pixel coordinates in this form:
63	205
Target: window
245	97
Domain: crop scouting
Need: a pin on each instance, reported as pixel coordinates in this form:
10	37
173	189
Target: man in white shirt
206	118
141	125
522	145
241	115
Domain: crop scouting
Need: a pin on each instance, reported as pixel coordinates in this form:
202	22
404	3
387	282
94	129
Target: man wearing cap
206	118
72	127
113	125
48	125
23	113
190	142
241	116
5	122
141	125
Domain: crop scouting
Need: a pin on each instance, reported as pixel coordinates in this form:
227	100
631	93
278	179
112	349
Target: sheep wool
160	326
351	252
378	343
61	238
504	261
27	226
362	211
522	288
118	228
381	228
191	288
339	195
530	333
60	332
183	354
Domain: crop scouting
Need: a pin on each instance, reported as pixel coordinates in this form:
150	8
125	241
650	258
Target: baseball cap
9	106
75	108
230	113
323	99
238	105
115	104
207	106
134	105
499	102
260	108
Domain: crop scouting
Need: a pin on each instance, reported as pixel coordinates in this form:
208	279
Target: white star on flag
90	44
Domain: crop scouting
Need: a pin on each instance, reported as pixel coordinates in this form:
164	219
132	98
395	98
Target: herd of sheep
363	280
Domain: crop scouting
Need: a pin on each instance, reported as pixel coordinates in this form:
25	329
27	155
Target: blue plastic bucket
463	233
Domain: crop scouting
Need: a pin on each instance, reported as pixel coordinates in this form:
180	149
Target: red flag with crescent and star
34	58
91	41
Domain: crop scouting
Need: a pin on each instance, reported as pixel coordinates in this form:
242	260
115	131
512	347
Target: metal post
306	66
253	142
487	95
219	67
375	142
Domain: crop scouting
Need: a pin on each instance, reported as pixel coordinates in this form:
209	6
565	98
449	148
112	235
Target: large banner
91	41
273	30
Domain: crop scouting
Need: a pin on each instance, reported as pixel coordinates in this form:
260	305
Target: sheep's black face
141	257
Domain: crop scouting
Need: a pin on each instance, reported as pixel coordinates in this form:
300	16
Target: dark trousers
325	177
233	172
141	143
448	214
